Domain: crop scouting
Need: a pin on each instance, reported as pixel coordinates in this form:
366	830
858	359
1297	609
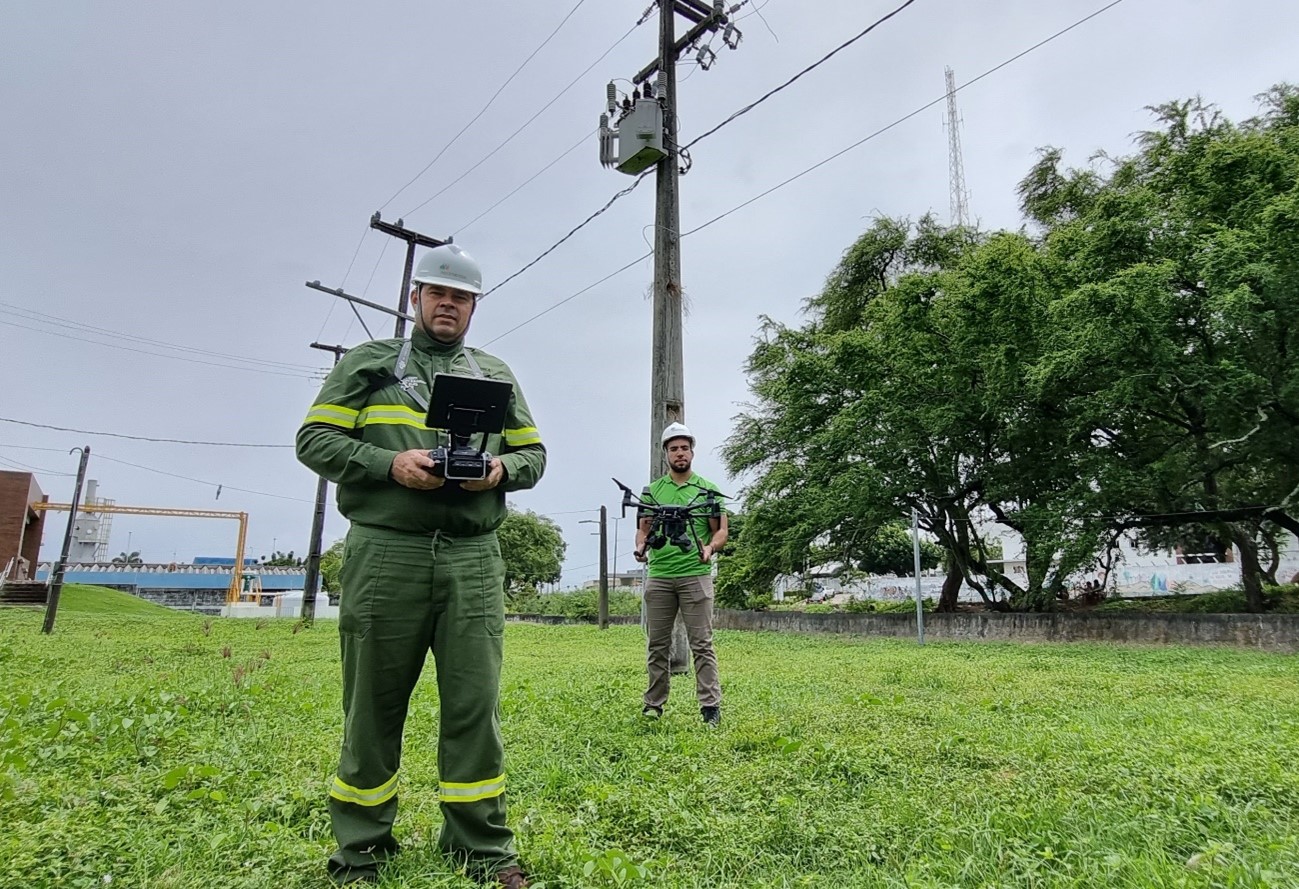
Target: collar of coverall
425	343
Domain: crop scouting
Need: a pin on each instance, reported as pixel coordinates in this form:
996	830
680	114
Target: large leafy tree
533	549
860	415
1132	366
1174	345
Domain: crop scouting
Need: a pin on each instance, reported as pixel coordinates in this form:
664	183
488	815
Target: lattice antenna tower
960	214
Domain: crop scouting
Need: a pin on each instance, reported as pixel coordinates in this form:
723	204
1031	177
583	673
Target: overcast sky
172	173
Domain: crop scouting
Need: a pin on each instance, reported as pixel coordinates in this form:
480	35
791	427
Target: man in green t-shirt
681	581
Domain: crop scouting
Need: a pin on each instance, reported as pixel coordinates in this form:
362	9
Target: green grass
172	751
80	598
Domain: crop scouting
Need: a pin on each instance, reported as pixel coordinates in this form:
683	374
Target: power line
484	108
576	145
218	485
757	10
581	225
810	169
27	314
570	298
754	104
277	373
220	444
355	254
102	456
510	138
737	114
902	119
16	465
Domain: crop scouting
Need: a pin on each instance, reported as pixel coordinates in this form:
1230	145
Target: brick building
20	525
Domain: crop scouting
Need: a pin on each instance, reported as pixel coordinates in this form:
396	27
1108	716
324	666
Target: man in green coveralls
422	571
681	581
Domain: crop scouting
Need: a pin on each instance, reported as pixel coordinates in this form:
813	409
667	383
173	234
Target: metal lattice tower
956	173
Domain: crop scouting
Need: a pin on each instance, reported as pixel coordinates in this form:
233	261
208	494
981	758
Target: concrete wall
1266	632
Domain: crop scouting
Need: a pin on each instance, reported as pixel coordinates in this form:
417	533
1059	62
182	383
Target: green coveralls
422	571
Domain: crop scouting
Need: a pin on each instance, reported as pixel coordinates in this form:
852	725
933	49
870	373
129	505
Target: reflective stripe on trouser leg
467	645
660	615
385	627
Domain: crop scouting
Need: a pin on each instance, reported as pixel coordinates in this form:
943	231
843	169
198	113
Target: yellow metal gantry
236	575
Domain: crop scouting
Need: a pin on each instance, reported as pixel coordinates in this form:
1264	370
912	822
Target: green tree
331	568
891	550
278	559
533	548
904	391
1173	344
130	559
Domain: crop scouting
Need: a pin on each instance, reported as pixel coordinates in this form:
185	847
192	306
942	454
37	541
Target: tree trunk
1251	572
951	586
1273	559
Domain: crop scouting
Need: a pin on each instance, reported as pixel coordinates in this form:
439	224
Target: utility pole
412	238
56	576
604	568
920	605
311	581
638	145
667	382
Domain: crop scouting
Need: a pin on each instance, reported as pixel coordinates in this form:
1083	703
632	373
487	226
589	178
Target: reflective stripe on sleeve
333	415
391	414
527	435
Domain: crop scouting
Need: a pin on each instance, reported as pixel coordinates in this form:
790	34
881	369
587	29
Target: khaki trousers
693	597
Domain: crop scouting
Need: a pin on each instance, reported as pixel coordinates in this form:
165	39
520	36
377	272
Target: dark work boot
511	877
712	715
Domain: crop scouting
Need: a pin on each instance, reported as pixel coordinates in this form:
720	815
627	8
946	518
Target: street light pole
603	601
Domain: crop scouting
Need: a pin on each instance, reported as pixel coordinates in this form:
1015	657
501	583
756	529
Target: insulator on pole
611	94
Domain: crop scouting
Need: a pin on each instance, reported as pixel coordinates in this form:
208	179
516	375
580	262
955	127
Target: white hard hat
677	430
450	266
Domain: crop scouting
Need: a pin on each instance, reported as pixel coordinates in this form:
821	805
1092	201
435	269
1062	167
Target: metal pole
920	608
604	568
56	576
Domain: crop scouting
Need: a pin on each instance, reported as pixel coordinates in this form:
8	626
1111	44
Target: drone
672	524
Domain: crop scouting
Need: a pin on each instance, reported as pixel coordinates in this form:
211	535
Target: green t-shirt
669	560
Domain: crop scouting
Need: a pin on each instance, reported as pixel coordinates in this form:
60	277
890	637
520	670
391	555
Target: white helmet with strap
449	266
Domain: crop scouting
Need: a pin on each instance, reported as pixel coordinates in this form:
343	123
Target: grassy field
157	749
